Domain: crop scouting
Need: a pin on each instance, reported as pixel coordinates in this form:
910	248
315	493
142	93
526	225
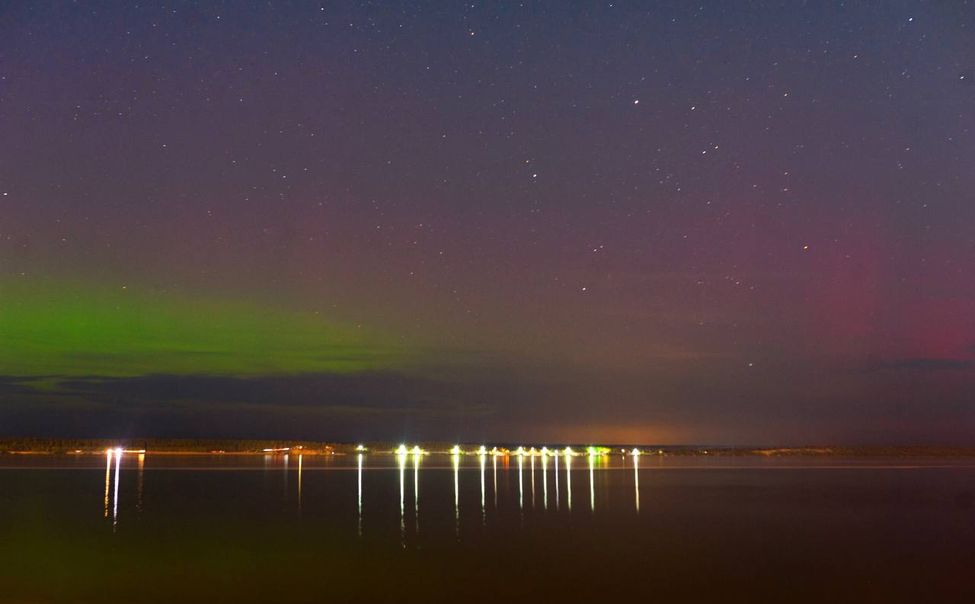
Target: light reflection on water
299	479
416	490
349	503
455	459
365	474
568	481
592	486
118	462
545	481
532	461
521	482
359	461
556	482
494	462
141	482
401	458
482	459
370	474
636	481
108	477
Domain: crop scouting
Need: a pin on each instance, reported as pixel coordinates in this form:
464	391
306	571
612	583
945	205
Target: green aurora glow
58	329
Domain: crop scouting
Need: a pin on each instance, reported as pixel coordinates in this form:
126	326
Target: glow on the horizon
569	452
544	451
455	450
520	451
482	450
635	452
417	451
401	450
360	448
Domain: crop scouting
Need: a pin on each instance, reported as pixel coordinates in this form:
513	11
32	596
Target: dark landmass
53	446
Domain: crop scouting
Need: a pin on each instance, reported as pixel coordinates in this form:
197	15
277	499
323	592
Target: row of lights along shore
455	450
519	452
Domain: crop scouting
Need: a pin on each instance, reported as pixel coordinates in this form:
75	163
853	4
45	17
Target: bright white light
417	451
401	450
455	450
360	448
520	451
635	452
544	451
569	452
482	450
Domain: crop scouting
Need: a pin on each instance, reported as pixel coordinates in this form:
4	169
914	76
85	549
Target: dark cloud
375	405
713	402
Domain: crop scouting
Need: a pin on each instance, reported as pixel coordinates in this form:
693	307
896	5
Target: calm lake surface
346	529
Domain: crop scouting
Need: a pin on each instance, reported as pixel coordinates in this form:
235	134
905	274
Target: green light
63	329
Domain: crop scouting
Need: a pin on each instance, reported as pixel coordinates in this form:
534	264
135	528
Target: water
468	528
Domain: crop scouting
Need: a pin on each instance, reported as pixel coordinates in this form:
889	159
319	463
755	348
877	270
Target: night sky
710	222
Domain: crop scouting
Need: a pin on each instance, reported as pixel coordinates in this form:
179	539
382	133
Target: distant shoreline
52	446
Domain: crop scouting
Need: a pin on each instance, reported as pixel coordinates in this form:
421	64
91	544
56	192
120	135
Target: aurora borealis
633	222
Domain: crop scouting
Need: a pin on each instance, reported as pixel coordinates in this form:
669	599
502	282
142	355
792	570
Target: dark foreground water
313	529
